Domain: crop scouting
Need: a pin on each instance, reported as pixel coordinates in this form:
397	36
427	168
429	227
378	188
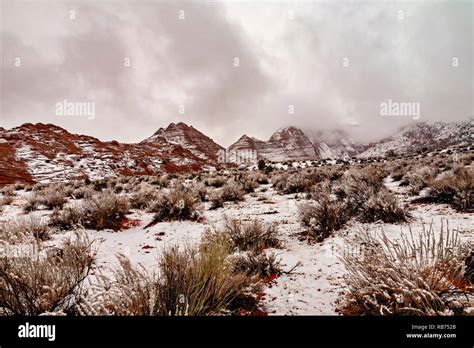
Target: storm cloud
230	68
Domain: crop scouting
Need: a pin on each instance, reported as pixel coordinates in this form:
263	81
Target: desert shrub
161	181
398	169
230	192
325	216
248	183
5	200
383	206
216	181
176	204
8	191
19	186
189	281
104	210
49	197
128	291
294	183
83	192
279	181
145	194
240	236
260	178
369	200
371	177
420	275
216	199
418	179
455	187
33	202
48	282
466	159
201	191
70	217
53	198
257	264
100	184
201	282
24	229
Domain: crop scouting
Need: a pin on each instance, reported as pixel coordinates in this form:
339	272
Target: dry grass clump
230	192
104	210
201	282
189	281
47	282
369	200
240	236
286	183
82	192
455	187
262	265
24	229
259	177
50	198
215	181
5	200
248	183
324	217
416	275
176	204
383	206
8	191
418	179
370	177
129	291
145	194
70	217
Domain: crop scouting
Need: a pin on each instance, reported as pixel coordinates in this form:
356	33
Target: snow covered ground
315	281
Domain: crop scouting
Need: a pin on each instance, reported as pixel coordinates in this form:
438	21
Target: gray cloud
190	62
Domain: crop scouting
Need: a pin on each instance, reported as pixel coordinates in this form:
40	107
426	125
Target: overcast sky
289	54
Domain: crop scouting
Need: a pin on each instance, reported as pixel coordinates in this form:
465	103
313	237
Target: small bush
419	179
33	202
24	229
231	192
216	182
383	206
8	191
50	197
104	210
294	183
177	204
146	194
251	236
83	192
68	218
455	188
50	282
189	281
324	217
129	291
201	282
255	264
415	276
5	200
248	183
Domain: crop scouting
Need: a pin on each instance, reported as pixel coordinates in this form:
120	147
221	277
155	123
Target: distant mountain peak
188	138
